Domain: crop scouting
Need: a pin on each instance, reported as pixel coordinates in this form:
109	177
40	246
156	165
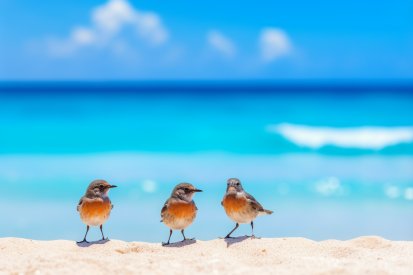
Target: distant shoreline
208	86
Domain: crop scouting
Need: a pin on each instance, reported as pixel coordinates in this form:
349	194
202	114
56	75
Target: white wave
366	137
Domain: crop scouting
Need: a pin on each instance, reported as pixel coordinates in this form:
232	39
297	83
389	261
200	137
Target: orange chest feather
97	207
182	209
234	203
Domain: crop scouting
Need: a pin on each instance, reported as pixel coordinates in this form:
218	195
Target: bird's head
184	191
98	188
234	186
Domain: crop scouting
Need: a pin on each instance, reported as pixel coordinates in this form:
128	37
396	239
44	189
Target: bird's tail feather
266	212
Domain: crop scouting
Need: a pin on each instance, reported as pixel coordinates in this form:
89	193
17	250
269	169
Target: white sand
364	255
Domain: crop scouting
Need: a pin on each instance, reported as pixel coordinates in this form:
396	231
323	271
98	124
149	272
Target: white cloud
374	138
274	43
221	43
83	36
107	21
113	15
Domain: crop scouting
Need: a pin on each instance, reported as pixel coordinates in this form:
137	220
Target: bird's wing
222	203
80	203
165	208
253	202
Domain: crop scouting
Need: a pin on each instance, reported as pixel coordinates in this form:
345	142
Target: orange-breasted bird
95	206
179	211
240	206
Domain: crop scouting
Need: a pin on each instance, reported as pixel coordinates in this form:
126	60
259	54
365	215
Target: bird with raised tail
95	206
240	206
179	211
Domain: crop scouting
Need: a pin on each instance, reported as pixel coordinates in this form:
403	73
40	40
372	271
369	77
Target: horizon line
210	85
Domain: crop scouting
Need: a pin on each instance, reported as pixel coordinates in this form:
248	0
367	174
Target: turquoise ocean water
330	162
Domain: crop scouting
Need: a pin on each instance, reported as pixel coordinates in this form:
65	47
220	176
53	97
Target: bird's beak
197	190
232	187
112	186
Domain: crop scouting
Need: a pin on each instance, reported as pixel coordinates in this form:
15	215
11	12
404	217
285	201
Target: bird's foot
227	237
105	239
188	239
84	241
165	244
253	237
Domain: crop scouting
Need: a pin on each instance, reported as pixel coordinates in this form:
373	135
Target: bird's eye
186	189
101	186
237	183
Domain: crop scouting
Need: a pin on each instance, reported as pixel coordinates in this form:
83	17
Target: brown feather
96	207
234	203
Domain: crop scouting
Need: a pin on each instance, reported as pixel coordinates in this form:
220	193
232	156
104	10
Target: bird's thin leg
84	240
103	237
253	236
184	236
252	227
168	239
228	236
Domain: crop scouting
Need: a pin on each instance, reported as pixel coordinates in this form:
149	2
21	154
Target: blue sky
141	40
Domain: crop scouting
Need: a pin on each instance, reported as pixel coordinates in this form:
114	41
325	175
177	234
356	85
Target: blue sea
332	162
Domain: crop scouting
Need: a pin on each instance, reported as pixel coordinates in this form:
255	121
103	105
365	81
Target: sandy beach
363	255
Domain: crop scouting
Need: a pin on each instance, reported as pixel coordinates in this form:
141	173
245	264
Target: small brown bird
179	211
240	206
95	206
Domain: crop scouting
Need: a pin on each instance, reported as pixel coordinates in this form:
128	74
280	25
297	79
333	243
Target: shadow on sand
180	244
85	244
231	241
